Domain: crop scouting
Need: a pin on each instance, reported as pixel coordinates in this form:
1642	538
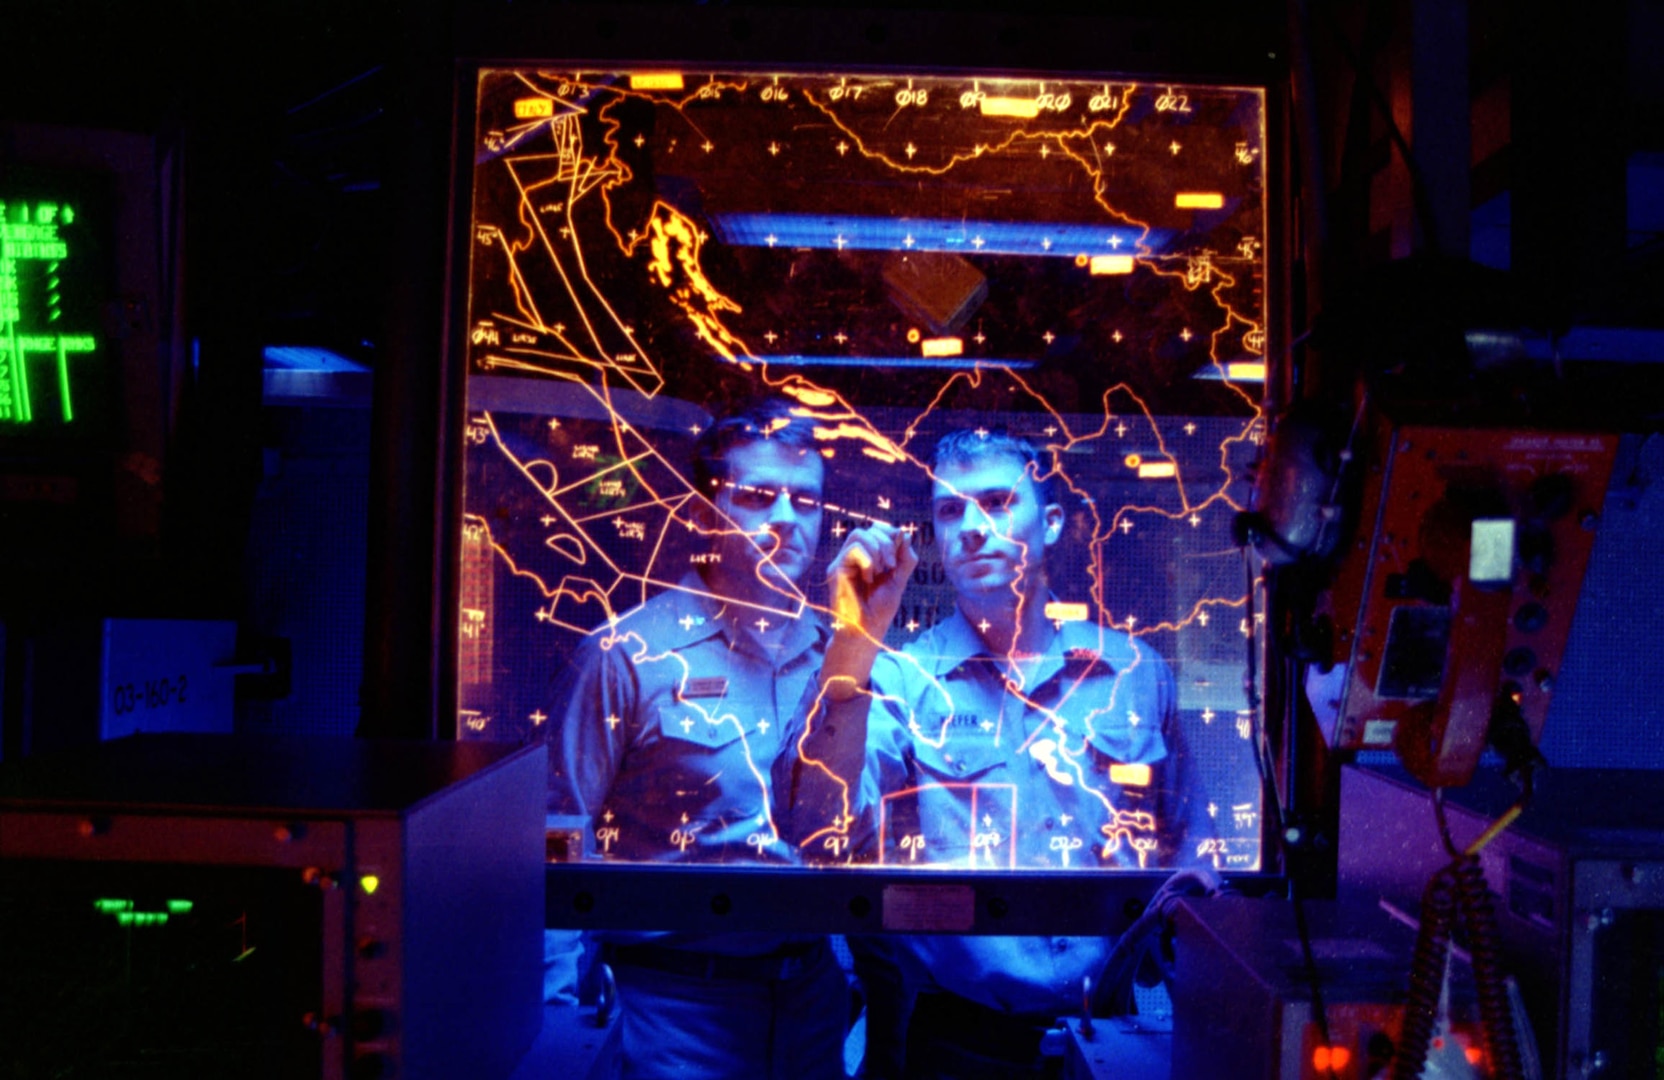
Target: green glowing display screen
55	364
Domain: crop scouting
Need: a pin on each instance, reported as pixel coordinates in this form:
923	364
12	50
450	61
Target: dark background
311	147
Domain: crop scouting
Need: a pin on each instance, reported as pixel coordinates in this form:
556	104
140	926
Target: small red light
1331	1058
1474	1055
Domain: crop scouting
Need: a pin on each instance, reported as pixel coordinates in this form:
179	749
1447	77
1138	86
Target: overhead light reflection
844	233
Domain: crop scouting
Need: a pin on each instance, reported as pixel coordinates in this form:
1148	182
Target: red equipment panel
1433	647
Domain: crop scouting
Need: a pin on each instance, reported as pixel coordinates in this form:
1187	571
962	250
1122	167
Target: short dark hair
769	418
962	446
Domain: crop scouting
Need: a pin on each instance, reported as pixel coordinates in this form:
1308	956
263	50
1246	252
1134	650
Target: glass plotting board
1078	262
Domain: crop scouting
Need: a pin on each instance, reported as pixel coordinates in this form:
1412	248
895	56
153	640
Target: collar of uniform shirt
1075	643
696	614
803	630
692	616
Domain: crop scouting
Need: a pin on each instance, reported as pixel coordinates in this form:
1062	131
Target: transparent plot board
1075	263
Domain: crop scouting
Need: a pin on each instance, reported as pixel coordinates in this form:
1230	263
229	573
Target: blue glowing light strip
308	358
959	363
845	233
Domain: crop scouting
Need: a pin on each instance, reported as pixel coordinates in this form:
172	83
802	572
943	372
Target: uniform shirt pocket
710	726
960	813
957	760
1115	737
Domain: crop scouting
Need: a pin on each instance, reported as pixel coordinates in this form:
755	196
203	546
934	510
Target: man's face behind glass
991	527
769	519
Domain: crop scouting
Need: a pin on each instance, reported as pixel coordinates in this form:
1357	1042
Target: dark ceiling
300	108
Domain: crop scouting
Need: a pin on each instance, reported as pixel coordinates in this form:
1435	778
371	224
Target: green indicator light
111	907
180	907
141	918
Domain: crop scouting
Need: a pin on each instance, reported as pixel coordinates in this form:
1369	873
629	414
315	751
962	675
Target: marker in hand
869	576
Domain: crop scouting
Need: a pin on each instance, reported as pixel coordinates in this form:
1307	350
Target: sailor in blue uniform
1011	736
666	736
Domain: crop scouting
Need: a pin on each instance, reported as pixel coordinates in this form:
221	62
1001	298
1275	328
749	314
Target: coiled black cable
1457	888
1421	1005
1495	1013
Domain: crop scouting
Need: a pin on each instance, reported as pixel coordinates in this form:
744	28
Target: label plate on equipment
929	908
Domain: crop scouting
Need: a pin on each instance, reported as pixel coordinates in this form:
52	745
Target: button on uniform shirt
1077	764
669	725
